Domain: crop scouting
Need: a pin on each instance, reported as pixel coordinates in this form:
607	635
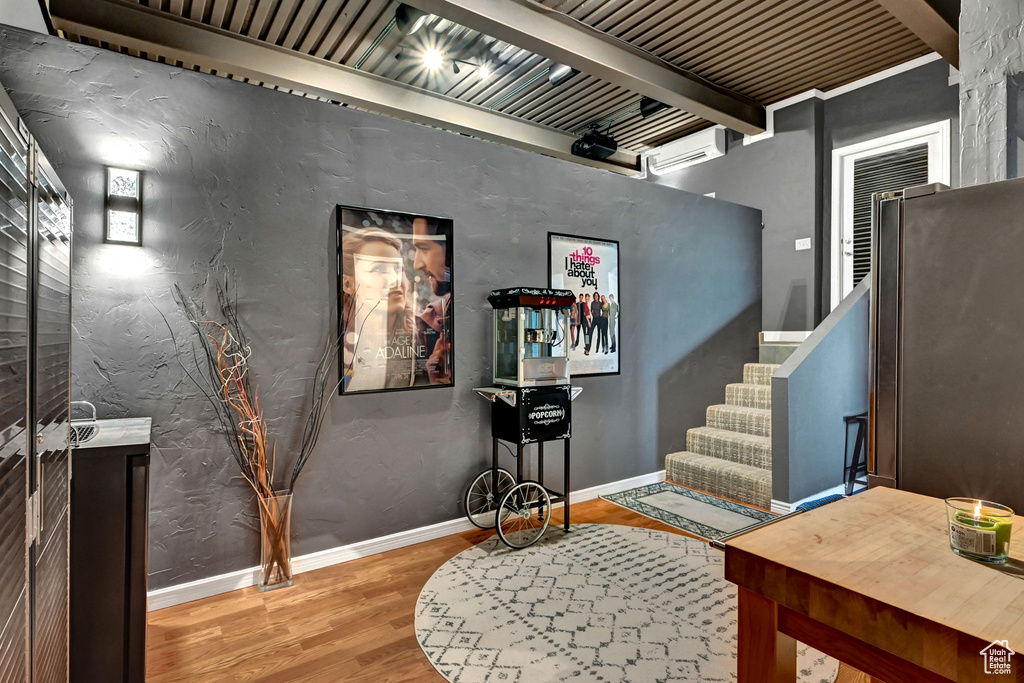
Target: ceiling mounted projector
595	145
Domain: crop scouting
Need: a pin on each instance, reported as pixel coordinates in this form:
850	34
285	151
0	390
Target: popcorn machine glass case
531	336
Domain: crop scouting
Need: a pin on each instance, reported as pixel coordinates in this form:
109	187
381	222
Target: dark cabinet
109	560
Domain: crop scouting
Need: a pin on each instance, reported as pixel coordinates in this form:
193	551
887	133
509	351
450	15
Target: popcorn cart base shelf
519	508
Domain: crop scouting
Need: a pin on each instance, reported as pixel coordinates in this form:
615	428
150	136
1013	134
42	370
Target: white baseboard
780	507
204	588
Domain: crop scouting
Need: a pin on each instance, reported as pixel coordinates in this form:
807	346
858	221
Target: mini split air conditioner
693	149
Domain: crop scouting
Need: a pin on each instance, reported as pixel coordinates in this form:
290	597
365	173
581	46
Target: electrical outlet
805	243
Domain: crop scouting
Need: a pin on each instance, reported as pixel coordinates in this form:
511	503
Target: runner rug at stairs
691	511
601	603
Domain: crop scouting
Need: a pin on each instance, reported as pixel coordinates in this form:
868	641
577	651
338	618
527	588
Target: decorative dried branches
219	366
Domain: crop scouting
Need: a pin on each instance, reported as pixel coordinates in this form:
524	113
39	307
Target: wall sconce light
123	207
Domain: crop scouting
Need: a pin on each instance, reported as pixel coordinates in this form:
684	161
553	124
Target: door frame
935	135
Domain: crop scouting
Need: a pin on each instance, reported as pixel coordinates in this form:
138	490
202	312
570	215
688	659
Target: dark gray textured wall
789	177
824	380
776	176
245	179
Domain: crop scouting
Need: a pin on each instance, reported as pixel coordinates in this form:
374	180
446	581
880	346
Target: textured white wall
991	52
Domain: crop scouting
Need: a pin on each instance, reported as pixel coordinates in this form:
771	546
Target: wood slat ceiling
765	49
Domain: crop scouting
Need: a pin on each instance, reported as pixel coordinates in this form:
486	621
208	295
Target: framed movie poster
396	321
590	268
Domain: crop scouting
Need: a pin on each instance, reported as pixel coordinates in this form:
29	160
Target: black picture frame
574	367
345	217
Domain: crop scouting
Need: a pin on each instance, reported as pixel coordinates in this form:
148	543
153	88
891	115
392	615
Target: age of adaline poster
590	268
395	300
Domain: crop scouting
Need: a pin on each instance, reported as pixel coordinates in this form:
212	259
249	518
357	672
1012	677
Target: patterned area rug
601	603
694	512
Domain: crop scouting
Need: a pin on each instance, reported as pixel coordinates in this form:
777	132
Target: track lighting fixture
560	73
650	106
409	19
482	70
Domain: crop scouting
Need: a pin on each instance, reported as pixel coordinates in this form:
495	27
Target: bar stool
859	464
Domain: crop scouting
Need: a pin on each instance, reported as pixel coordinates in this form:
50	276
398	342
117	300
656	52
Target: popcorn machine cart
531	402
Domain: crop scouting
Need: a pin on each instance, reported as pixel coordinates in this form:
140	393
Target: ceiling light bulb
432	59
484	72
455	68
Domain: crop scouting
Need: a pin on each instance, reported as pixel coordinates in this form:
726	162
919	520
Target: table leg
765	655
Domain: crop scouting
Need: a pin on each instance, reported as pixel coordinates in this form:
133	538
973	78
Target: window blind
886	172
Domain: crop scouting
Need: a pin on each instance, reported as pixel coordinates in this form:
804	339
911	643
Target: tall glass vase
275	541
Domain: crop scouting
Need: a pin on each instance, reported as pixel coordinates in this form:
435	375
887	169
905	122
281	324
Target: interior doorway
912	157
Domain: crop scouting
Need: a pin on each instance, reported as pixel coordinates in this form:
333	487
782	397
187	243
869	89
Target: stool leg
859	454
848	469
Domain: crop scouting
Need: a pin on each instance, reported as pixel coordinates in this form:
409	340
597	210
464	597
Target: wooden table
871	581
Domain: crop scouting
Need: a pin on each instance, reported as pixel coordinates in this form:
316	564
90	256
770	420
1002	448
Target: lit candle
979	530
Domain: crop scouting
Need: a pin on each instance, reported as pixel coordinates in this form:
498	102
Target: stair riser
733	450
759	373
720	481
749	395
737	421
776	353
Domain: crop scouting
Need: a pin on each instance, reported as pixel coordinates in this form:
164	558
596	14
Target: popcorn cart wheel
484	494
526	513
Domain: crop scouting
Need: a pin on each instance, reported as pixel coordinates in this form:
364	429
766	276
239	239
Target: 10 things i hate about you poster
590	269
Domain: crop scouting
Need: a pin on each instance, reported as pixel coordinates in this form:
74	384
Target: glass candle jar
978	529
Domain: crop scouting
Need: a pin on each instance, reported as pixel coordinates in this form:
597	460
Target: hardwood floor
349	622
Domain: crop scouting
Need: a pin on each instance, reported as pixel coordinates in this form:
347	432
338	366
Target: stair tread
759	373
711	461
742	409
742	419
743	483
730	435
752	395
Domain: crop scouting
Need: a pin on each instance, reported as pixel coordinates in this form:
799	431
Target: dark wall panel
245	179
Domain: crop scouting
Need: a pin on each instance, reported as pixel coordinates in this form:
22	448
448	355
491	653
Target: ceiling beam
532	26
927	23
138	27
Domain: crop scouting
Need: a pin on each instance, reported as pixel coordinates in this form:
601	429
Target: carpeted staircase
732	456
